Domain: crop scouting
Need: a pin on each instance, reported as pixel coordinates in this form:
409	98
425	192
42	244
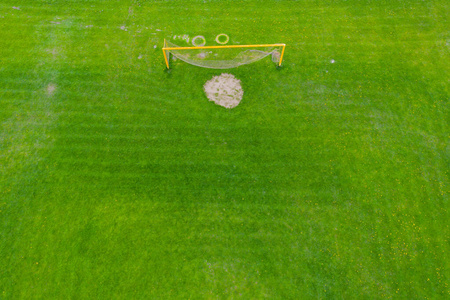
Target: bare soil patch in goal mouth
224	90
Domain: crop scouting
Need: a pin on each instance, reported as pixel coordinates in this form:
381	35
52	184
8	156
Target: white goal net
223	57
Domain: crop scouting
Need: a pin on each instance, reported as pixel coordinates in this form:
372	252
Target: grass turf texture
120	180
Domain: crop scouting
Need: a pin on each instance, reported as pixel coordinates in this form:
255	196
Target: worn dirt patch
224	90
51	88
54	52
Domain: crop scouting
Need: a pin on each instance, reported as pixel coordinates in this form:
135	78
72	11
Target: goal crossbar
165	48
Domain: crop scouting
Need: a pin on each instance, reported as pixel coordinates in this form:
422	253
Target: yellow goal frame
166	58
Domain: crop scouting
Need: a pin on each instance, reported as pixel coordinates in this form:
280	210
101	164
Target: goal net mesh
224	58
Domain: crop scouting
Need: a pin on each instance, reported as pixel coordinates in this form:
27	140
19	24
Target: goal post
166	54
223	57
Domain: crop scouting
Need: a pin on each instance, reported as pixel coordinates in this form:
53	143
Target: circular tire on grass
203	42
222	42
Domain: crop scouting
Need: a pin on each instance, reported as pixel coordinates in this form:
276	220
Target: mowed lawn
119	179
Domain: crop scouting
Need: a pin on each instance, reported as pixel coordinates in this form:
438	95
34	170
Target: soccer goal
223	57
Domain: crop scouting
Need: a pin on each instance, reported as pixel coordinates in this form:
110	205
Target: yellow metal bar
281	57
165	56
229	46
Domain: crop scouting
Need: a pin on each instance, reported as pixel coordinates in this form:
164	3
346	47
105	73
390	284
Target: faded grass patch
50	89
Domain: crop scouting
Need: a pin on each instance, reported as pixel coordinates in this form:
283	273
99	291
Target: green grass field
119	179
